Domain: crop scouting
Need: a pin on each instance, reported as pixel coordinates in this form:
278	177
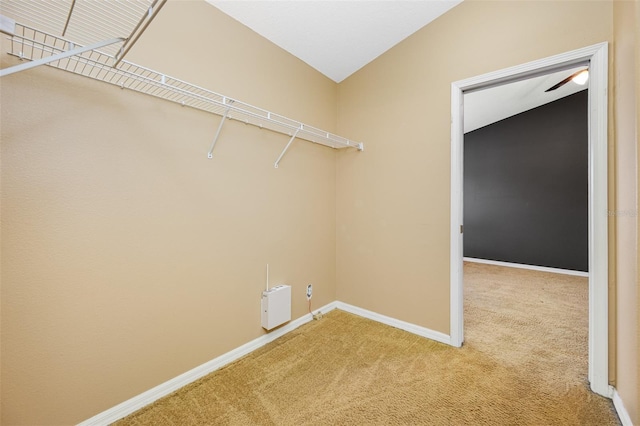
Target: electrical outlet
309	291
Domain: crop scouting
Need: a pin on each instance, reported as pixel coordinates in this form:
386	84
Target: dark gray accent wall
526	187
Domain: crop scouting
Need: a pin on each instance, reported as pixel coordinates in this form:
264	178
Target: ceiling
335	37
487	106
338	37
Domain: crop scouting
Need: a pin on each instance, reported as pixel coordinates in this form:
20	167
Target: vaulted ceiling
335	37
338	37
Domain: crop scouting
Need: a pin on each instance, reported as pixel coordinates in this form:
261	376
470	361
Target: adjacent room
245	212
526	190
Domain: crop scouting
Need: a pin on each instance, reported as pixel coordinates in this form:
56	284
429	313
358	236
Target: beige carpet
523	363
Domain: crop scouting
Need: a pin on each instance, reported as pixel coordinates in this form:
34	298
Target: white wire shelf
31	44
85	21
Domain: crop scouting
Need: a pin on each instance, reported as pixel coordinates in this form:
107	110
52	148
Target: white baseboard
406	326
531	267
137	402
134	404
625	419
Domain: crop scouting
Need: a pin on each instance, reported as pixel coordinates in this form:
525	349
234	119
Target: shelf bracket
287	147
66	24
215	138
152	12
57	56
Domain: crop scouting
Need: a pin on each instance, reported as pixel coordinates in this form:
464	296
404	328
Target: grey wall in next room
526	187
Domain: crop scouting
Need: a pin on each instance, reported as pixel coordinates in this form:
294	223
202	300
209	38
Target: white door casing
596	58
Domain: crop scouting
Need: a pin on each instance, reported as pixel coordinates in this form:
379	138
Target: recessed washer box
276	306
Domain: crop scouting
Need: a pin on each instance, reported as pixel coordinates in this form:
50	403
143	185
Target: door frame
596	57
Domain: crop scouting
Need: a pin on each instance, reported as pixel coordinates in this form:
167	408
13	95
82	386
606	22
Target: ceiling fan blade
563	82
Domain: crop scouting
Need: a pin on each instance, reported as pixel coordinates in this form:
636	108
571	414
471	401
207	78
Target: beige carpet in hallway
523	363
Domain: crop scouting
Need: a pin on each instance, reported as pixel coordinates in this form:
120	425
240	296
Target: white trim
530	267
140	401
625	418
598	223
597	58
137	402
456	267
402	325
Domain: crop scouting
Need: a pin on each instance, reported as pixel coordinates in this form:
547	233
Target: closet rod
32	44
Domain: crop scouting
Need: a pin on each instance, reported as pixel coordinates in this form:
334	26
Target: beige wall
637	50
393	204
626	25
393	201
628	357
128	257
637	137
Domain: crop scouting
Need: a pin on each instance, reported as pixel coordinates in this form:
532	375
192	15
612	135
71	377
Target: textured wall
526	187
128	257
625	48
393	199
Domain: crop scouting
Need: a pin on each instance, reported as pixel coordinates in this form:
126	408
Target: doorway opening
595	57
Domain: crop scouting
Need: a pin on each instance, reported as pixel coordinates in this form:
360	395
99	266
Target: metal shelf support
287	147
215	138
148	17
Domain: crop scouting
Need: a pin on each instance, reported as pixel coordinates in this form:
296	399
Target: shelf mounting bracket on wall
215	138
287	147
148	17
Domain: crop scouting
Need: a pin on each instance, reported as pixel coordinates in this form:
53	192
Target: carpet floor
524	362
